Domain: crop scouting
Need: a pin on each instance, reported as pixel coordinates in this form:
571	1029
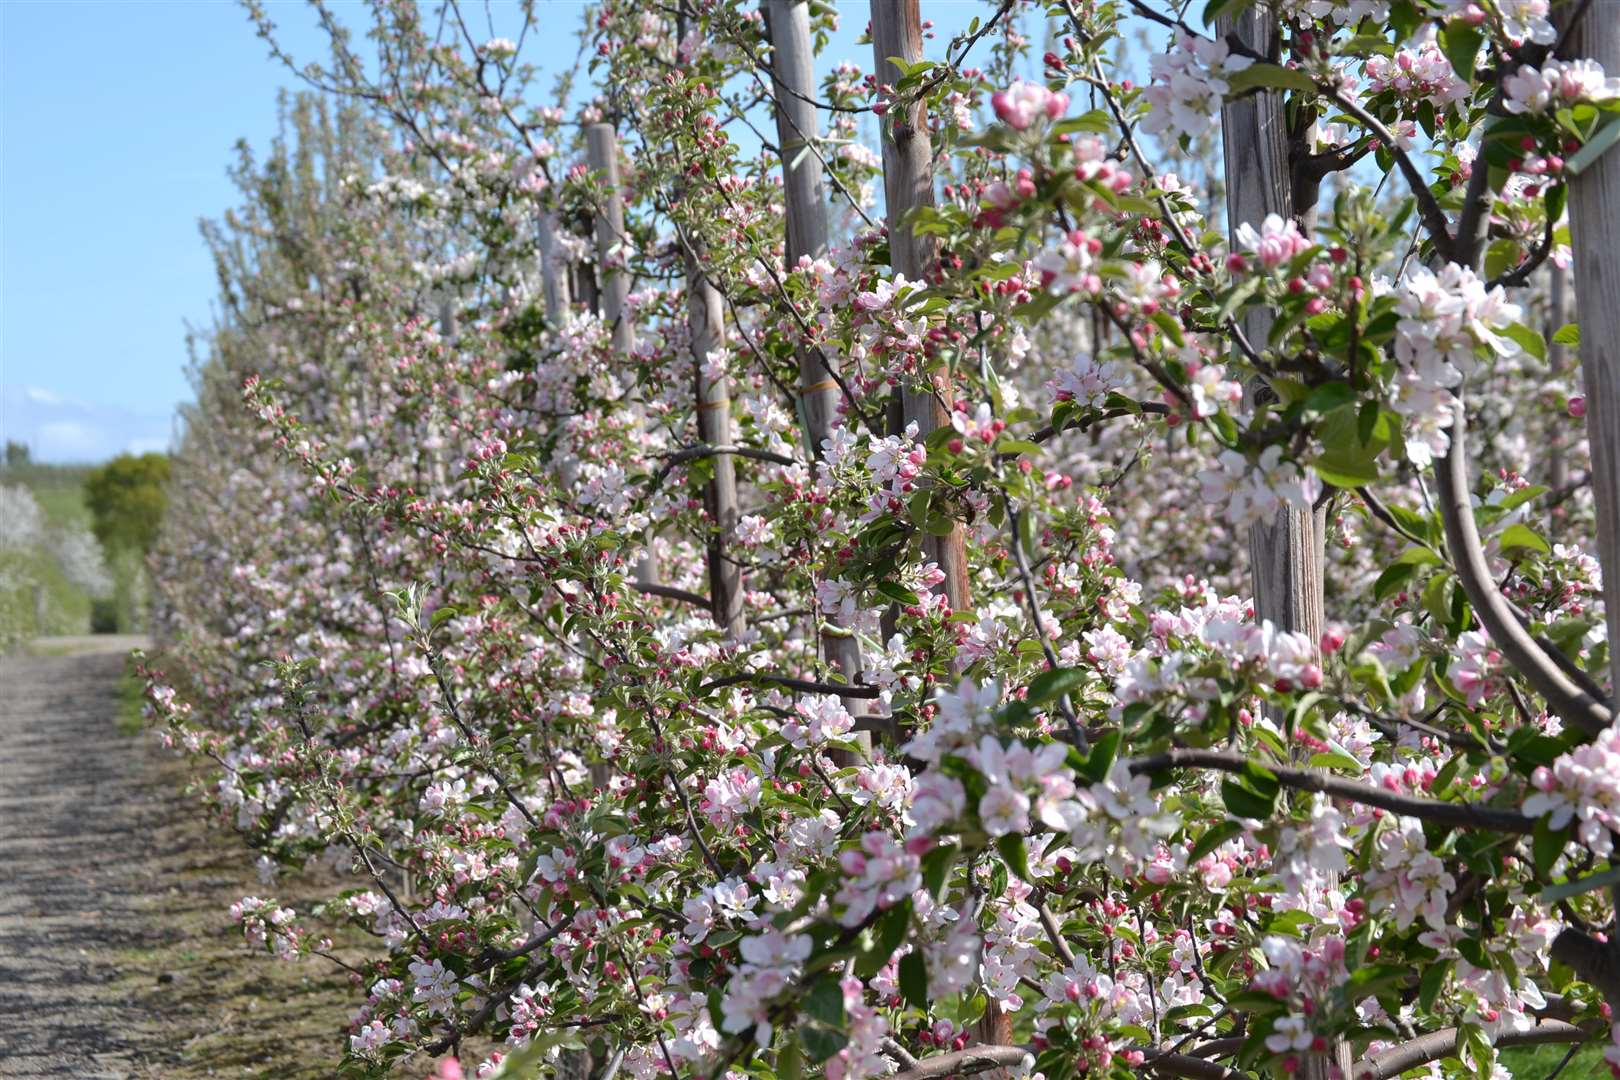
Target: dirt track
117	955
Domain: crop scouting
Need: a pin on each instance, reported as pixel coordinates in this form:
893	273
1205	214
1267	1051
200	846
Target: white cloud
57	428
43	396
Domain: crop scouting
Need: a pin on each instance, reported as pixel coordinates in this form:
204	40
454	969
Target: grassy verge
216	1006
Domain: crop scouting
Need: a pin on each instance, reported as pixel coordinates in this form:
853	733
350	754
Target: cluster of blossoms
1255	490
712	650
1189	83
1558	84
267	925
1419	72
1583	786
1448	322
1022	103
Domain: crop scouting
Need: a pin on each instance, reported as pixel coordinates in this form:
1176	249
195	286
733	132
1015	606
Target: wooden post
1557	364
554	281
1286	553
804	191
707	321
908	182
602	153
448	331
1594	219
613	279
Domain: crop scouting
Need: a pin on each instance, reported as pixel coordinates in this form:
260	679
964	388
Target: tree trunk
908	182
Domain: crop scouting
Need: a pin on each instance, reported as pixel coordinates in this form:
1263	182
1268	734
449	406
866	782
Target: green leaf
1390	581
890	932
1595	147
1460	42
1370	978
1336	759
1100	762
1012	850
790	1059
1275	76
1324	399
914	980
1235	298
1097	121
1243	803
1501	256
1529	340
1523	536
1433	981
821	1043
1216	8
1261	779
898	593
1568	334
1349	455
1565	889
936	866
1547	843
1522	496
1213	837
825	1002
1053	684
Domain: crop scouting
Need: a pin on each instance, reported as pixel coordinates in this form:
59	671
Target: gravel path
117	955
72	808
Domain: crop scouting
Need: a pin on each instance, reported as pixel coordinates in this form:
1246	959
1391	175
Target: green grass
59	490
1538	1062
131	701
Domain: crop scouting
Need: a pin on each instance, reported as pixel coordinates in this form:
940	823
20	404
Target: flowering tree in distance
721	625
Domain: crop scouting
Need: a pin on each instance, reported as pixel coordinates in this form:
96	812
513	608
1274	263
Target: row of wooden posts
1263	171
1264	176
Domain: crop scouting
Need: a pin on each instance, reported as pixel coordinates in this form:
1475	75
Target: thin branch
975	1059
669	592
1458	815
803	686
1434	218
1437	1045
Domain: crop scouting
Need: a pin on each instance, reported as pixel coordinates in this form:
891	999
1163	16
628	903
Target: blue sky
117	121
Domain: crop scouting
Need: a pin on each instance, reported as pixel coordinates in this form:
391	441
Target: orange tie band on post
824	384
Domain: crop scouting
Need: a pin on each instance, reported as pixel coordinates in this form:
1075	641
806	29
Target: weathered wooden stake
908	182
1594	219
805	194
613	284
1285	554
602	153
555	283
707	321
